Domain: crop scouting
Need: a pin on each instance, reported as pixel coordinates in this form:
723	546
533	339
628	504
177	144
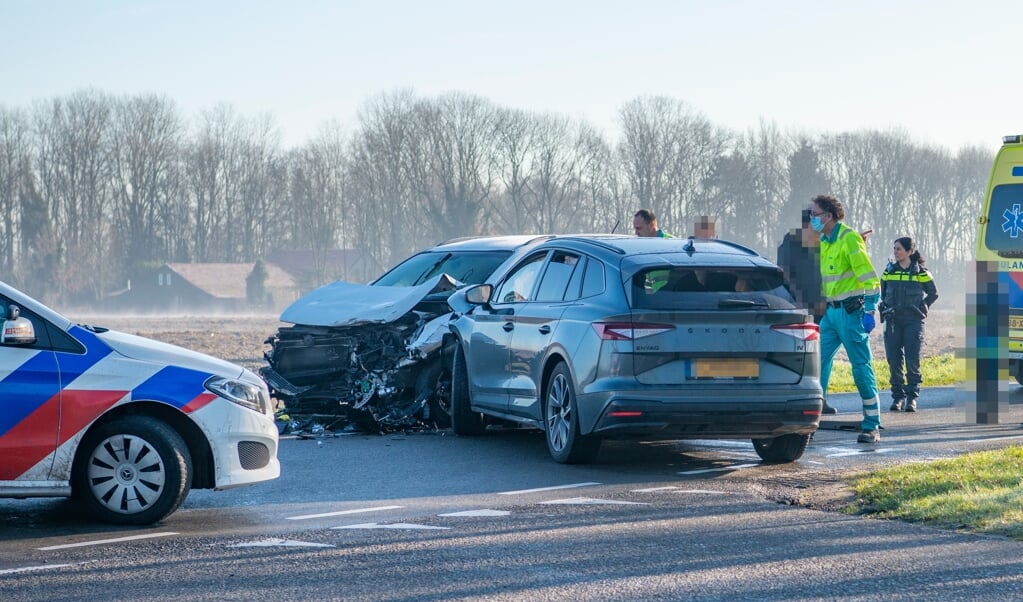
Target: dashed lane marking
589	501
275	542
718	468
842	452
100	542
675	489
43	567
553	488
390	526
1008	438
484	512
343	512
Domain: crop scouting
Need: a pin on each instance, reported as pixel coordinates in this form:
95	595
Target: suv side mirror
479	294
17	330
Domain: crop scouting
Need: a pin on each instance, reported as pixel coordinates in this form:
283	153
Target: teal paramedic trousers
839	327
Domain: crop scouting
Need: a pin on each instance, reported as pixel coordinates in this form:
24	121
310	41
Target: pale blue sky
947	72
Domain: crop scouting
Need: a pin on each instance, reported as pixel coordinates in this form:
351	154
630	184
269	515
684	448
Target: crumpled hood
345	304
148	350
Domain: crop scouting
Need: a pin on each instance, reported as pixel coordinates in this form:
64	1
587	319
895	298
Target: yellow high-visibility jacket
846	270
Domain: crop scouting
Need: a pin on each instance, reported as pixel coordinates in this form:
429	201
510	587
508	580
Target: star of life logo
1013	221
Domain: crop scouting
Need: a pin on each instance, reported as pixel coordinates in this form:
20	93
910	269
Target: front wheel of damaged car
787	448
561	421
463	420
434	384
134	470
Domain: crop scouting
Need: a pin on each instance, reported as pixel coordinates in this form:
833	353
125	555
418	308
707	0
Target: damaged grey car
372	358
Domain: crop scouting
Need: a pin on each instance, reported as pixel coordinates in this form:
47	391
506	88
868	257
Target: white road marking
287	543
343	512
555	487
718	469
389	526
722	443
588	501
477	513
100	542
676	489
1008	438
26	569
856	452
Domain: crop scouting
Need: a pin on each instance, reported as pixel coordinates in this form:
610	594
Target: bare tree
668	151
386	219
514	150
15	175
262	188
767	151
317	213
74	172
455	164
147	139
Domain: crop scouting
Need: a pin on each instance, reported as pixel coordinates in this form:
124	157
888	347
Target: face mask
817	223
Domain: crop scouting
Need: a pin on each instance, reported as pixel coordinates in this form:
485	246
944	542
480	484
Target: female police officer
907	292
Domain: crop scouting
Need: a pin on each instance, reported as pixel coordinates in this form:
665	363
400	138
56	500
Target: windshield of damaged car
469	267
717	288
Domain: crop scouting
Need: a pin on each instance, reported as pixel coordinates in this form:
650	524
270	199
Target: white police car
123	424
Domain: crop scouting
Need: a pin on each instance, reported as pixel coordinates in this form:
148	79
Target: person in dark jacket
907	292
799	258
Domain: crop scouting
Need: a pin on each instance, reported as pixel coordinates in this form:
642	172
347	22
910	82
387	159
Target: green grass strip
980	492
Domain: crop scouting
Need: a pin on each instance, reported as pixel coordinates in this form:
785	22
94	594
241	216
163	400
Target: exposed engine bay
366	358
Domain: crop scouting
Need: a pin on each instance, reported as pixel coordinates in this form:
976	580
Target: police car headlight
241	393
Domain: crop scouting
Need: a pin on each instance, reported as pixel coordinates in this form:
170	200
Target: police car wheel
134	470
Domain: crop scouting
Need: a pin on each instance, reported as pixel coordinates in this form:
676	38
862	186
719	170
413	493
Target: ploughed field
239	338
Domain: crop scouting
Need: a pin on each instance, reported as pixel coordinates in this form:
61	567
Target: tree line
96	189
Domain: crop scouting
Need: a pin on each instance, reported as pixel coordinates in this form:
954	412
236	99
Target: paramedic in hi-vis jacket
851	290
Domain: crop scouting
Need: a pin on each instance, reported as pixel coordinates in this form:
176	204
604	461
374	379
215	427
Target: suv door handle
545	329
508	326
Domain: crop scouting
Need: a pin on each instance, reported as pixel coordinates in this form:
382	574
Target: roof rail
595	242
731	244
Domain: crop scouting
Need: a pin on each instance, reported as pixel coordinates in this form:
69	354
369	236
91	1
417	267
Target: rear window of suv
710	289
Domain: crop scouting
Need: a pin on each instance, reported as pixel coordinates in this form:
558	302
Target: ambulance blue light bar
1014	139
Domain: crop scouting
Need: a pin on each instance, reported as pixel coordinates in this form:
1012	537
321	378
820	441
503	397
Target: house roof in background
227	280
337	263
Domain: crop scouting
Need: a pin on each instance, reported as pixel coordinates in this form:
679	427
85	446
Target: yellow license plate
727	368
1015	322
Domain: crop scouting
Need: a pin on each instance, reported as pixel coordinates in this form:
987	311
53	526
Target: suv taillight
807	331
628	331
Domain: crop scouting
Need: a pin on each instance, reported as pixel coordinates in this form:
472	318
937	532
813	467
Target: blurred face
643	227
704	229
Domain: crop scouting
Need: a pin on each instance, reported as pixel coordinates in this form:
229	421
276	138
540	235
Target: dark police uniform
906	296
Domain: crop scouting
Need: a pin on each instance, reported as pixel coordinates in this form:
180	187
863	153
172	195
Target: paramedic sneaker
873	436
896	405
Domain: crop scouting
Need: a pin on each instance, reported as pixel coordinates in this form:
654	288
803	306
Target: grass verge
980	492
938	371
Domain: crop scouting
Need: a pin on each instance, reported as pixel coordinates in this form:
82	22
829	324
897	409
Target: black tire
463	420
134	470
787	448
435	382
561	421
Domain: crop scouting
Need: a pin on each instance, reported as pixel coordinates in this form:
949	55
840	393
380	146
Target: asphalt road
430	516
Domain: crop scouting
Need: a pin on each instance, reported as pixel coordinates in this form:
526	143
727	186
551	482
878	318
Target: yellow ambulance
1000	238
